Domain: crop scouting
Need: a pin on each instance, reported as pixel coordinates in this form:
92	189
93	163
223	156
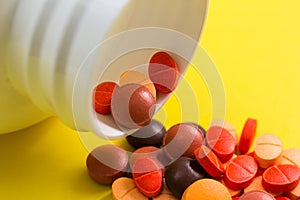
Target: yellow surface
256	47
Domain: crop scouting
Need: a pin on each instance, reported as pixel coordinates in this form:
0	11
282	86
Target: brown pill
182	140
267	149
132	106
206	189
227	126
107	163
125	189
131	76
256	194
289	156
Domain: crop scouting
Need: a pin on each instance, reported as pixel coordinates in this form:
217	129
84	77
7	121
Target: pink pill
256	195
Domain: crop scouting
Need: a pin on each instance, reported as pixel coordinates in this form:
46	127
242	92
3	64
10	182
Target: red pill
147	176
132	106
235	198
247	136
221	142
282	198
209	161
102	97
163	72
182	140
240	172
281	178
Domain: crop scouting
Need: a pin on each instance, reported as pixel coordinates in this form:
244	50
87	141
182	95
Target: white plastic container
54	52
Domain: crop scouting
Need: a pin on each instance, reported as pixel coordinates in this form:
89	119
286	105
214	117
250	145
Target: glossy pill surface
221	142
256	195
209	161
227	126
182	173
124	189
147	176
107	163
133	106
289	156
102	97
149	135
240	172
281	178
182	140
247	136
131	76
267	149
206	189
163	72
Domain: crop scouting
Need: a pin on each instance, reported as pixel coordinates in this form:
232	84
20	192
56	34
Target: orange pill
206	189
165	194
289	156
233	193
131	76
267	149
227	126
295	193
125	189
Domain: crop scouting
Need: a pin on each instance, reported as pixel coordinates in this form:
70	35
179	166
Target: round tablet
289	156
163	72
282	198
247	136
281	178
102	97
267	149
221	142
107	163
124	189
206	189
147	176
182	140
240	172
182	173
150	135
227	126
131	76
132	106
256	194
209	161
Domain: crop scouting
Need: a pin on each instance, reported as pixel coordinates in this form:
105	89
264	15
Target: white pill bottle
54	52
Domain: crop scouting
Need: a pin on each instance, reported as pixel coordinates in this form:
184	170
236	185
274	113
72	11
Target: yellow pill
131	76
267	149
125	189
206	189
289	156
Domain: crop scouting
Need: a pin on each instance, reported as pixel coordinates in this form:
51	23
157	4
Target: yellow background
255	45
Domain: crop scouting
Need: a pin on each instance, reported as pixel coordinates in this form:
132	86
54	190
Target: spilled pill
267	149
163	72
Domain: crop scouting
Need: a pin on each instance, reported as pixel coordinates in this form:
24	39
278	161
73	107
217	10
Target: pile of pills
210	167
132	101
186	161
